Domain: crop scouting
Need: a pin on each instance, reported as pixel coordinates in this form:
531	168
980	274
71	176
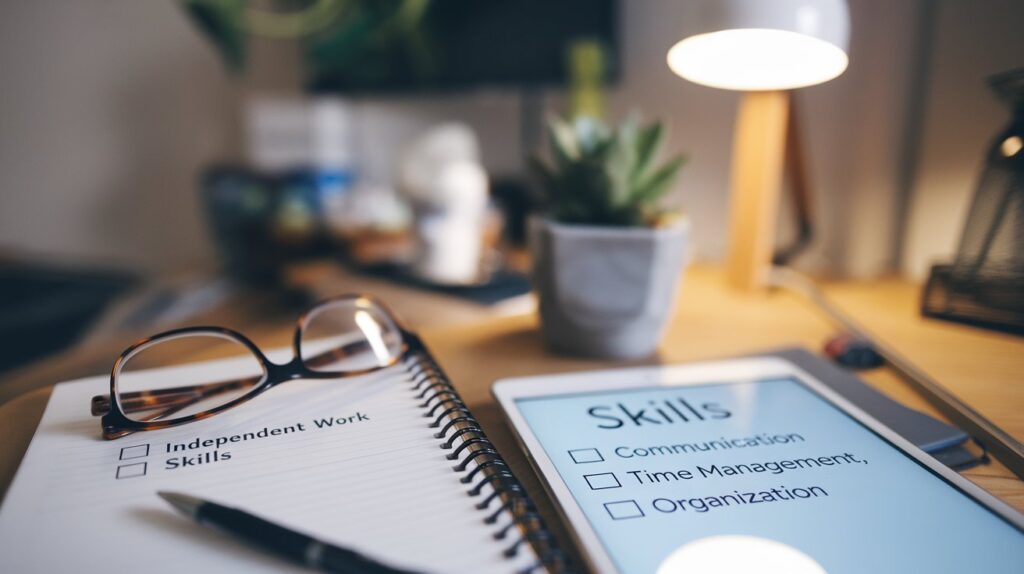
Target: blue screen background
889	514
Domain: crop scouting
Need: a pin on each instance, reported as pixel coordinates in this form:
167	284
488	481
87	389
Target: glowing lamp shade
756	59
762	48
753	45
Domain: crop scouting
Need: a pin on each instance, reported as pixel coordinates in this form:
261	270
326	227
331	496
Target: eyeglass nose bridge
278	373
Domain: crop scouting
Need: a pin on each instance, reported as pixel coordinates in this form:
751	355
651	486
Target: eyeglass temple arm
331	355
170	410
112	434
172	398
136	401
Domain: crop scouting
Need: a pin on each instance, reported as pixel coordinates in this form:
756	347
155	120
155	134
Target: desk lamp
762	48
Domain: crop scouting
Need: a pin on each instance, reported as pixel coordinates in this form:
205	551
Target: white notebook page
378	482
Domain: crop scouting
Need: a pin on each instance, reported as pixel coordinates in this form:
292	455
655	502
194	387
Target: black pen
277	539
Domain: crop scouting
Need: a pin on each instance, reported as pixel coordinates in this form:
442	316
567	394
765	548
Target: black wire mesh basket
984	285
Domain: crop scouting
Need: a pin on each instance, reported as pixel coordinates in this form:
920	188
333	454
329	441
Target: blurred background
205	145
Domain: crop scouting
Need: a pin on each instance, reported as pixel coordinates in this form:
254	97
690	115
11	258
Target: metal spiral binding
481	464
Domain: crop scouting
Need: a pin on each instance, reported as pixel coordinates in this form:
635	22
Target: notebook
359	462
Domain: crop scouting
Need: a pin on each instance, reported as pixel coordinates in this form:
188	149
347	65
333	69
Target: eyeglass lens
148	396
347	335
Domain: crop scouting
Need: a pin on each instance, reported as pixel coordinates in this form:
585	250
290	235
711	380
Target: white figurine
443	179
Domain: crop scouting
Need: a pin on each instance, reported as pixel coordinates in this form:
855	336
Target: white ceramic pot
606	291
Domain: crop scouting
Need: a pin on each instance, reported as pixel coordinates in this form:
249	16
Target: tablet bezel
508	391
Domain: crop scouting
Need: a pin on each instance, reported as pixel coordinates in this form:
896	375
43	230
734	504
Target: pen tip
187	505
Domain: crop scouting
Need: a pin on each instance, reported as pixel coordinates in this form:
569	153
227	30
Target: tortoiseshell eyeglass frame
112	407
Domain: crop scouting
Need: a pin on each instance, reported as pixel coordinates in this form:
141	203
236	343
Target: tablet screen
653	469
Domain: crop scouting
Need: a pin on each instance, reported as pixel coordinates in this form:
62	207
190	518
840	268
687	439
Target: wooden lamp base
758	156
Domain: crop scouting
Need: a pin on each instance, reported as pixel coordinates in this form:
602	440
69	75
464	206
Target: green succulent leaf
629	131
648	146
564	143
658	183
591	133
605	176
618	167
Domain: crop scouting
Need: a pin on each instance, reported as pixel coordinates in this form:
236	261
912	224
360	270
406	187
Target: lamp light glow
753	59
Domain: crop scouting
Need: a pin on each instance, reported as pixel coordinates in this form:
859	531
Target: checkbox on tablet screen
602	481
623	509
582	455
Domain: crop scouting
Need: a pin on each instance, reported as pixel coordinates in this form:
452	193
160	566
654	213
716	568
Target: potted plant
607	258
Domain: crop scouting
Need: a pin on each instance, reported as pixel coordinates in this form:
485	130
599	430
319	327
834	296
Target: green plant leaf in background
348	44
222	21
371	42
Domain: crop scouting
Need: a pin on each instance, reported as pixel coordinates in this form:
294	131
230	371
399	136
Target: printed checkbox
131	470
623	509
137	451
602	481
584	455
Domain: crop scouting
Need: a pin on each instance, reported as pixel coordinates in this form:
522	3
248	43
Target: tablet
747	464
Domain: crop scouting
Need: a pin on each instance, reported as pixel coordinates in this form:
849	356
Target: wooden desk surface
711	321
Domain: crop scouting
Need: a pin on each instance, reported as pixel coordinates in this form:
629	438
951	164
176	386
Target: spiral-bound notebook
391	464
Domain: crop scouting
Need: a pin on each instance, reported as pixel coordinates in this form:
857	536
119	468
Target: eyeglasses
341	337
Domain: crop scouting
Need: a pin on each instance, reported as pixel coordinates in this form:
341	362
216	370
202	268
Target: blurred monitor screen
460	44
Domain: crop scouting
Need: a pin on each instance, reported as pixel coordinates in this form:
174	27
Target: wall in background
108	108
111	108
971	41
